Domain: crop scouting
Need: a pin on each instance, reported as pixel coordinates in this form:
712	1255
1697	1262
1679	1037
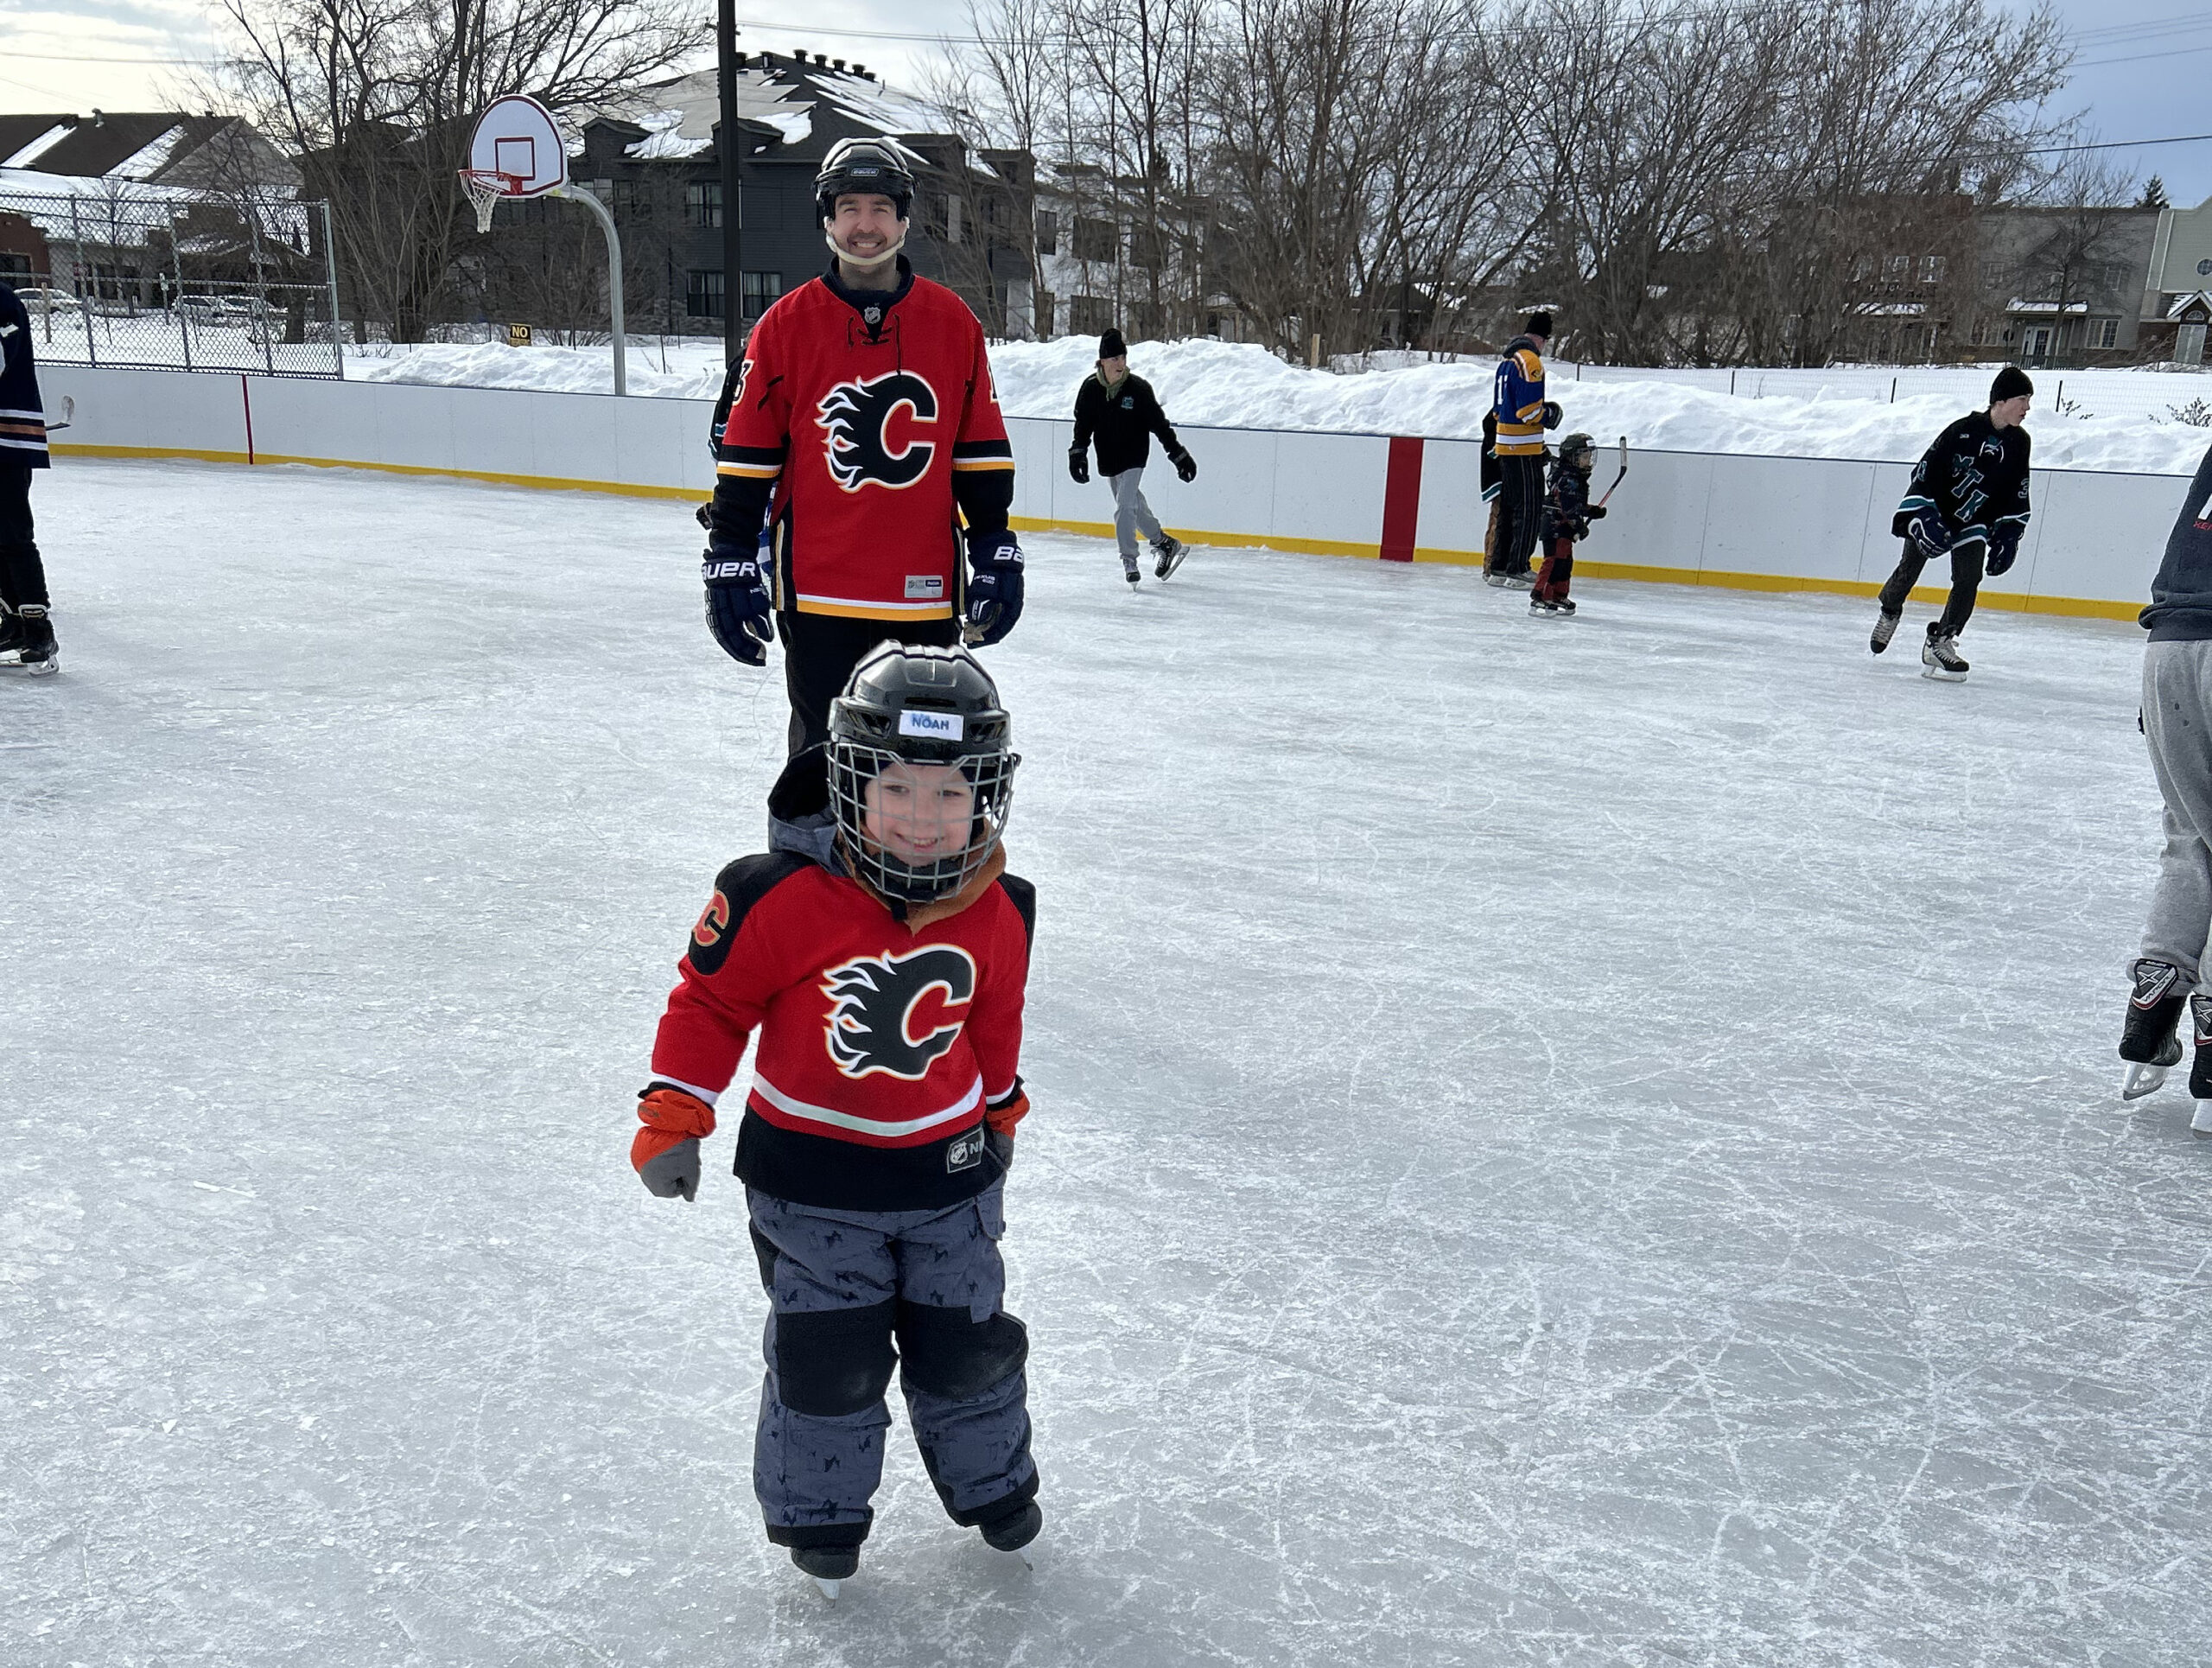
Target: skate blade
1936	674
829	1587
1174	561
2144	1077
2201	1121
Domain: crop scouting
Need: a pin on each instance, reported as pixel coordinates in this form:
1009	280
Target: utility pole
731	150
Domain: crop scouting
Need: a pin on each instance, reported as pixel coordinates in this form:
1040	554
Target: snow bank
2124	421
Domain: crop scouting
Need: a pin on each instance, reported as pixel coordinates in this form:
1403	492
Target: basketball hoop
485	186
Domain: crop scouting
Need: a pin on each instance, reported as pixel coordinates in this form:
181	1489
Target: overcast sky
2141	65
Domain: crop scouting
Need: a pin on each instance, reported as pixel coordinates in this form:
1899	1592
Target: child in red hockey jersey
882	952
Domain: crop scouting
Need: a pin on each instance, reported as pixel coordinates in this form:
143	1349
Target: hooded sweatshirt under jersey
2181	596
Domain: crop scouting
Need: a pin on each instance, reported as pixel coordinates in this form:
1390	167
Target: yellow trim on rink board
2070	607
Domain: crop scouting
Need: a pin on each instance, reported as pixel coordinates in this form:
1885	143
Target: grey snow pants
841	1286
1131	512
2178	724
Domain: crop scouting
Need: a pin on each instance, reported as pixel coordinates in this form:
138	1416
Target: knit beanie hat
1110	345
1539	324
2012	382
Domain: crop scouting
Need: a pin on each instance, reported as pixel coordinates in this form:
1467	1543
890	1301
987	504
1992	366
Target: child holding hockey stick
1567	515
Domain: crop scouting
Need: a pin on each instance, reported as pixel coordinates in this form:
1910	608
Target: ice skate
830	1567
29	635
1129	570
1521	582
1885	628
2147	1042
1542	607
1171	550
1012	1534
1940	655
2200	1069
1563	606
1495	581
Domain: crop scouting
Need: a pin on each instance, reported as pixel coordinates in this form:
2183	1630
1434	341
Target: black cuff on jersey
985	497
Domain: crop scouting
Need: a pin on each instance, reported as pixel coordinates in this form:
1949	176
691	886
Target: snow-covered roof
118	213
150	158
2182	304
2016	305
679	115
38	147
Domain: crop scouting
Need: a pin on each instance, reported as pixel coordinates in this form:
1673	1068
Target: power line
2117	144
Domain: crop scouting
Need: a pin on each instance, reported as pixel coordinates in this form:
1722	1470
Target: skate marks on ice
1580	1146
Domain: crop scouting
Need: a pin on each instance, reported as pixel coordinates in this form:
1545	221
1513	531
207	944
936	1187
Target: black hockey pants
1966	557
821	650
23	575
1520	514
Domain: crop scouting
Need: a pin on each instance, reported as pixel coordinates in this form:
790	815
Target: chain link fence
152	276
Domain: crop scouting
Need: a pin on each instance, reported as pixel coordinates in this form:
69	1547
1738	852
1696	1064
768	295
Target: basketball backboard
517	137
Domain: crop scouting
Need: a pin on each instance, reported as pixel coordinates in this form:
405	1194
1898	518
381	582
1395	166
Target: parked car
39	298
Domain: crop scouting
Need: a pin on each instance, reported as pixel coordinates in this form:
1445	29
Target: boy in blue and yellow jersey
1522	414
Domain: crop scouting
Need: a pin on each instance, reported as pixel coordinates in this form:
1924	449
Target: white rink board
1556	1143
1706	517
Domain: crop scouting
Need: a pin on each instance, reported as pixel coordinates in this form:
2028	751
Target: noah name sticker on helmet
871	1025
938	726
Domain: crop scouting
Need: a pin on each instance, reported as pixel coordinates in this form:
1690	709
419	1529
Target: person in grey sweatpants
2177	726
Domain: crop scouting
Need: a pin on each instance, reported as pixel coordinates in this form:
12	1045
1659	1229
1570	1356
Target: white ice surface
1556	1144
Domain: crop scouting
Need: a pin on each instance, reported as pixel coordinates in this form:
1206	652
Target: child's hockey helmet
919	706
1578	445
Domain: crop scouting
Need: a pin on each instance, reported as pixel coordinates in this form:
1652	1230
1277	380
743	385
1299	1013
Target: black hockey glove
2004	551
704	515
1596	513
1928	534
1553	414
737	604
995	589
1079	464
675	1174
1000	1145
1186	467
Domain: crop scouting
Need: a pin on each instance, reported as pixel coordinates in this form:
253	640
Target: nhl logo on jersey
872	1004
855	421
966	1151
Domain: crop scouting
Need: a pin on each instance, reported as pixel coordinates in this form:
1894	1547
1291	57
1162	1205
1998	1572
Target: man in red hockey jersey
864	431
881	950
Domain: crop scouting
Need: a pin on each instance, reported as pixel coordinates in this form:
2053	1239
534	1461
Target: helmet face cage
855	763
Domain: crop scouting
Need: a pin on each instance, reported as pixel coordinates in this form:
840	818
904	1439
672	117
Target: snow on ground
1588	1142
2135	422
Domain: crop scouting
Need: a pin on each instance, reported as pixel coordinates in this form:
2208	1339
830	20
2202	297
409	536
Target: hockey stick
1622	476
68	414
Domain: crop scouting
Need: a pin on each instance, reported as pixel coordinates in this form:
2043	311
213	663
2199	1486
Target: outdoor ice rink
1586	1143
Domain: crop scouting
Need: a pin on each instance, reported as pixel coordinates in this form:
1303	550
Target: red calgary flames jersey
880	1044
862	423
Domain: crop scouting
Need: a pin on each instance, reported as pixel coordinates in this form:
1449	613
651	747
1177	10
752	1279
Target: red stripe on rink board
1401	498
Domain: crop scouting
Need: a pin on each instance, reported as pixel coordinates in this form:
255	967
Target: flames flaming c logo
871	1020
855	417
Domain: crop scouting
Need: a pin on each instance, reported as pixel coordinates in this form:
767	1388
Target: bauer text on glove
994	588
738	606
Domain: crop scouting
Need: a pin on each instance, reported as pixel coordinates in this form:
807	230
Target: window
956	212
1932	268
2104	333
1091	316
1862	269
703	206
1094	240
1147	248
1897	271
761	289
703	295
1048	233
16	269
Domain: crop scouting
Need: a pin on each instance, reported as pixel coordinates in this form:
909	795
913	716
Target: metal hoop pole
613	273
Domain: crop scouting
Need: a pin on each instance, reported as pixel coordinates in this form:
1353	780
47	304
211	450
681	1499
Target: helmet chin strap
870	265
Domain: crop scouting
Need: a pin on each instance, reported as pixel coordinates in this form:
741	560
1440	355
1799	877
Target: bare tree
376	98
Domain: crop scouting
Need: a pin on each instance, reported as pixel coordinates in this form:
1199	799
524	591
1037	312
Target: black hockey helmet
1578	445
914	705
866	166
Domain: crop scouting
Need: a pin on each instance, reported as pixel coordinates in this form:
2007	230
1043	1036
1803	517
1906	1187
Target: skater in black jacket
1118	411
1968	500
26	633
